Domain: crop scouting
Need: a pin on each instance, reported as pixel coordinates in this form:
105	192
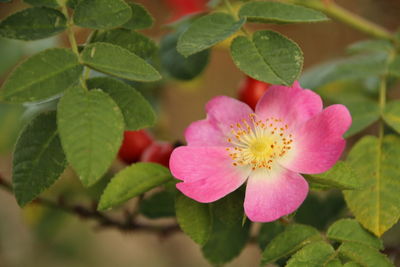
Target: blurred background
37	236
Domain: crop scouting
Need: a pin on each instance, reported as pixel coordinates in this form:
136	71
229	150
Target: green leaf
135	42
353	68
45	3
118	61
292	239
351	264
133	181
33	23
137	112
269	231
275	12
315	77
363	111
349	230
159	205
364	255
95	191
391	115
194	218
316	254
394	67
178	66
330	206
377	204
268	57
207	31
73	3
339	176
229	209
101	14
38	158
226	241
41	76
141	18
10	125
10	54
34	109
334	263
91	128
370	46
316	186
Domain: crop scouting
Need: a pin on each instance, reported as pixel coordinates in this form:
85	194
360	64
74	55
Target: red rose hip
133	145
251	91
181	8
158	152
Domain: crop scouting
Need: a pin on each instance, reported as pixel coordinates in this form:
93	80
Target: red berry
181	8
251	91
158	152
135	142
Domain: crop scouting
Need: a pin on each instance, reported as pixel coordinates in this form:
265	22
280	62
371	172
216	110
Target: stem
131	215
382	95
230	8
86	73
102	219
245	31
353	20
234	14
382	103
72	40
70	32
284	220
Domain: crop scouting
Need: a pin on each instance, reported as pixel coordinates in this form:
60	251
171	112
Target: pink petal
292	104
207	172
318	143
226	111
273	194
222	111
204	133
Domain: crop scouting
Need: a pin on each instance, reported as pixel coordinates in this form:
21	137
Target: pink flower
289	133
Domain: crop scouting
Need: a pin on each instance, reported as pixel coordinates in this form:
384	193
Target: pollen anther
255	144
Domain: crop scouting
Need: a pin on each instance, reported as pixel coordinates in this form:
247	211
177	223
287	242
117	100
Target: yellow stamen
256	144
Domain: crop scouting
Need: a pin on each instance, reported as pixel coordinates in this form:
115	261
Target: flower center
260	147
259	143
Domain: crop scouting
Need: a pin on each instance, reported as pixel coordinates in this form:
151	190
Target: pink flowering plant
308	176
287	134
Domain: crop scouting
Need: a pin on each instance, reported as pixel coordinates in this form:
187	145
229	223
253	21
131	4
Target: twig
5	185
103	220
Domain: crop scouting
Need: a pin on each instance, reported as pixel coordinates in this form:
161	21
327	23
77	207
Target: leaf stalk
353	20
